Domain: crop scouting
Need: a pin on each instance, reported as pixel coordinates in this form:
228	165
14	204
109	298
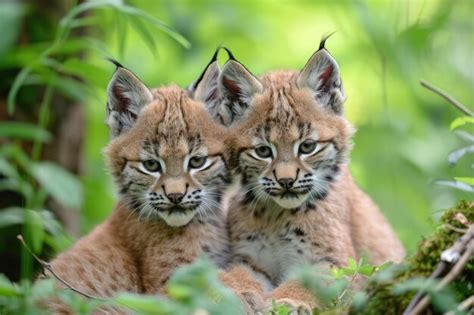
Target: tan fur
340	224
131	253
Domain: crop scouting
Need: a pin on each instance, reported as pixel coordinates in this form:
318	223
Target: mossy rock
423	263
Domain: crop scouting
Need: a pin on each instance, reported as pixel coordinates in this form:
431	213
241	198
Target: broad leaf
59	183
34	230
23	131
352	264
8	169
461	121
12	216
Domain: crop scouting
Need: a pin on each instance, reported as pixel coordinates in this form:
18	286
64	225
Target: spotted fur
296	205
165	218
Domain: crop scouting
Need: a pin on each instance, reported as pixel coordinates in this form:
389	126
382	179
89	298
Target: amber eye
307	147
197	161
152	165
264	151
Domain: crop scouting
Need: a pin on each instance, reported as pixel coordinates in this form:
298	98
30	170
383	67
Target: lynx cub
166	157
298	203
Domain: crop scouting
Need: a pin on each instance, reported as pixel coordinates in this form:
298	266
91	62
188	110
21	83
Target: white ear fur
126	96
237	87
321	74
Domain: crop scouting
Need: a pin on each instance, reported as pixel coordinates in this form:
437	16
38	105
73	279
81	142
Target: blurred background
54	185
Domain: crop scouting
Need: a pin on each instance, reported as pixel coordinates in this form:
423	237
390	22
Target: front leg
247	285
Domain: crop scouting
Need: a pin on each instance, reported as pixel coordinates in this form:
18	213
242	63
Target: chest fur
275	249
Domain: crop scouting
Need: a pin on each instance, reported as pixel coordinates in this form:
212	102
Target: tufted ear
126	96
237	87
321	74
204	89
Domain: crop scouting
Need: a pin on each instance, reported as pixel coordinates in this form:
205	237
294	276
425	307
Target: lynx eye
197	161
263	151
307	147
152	165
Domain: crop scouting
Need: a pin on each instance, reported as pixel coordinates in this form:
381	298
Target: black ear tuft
322	43
229	53
321	74
115	62
194	85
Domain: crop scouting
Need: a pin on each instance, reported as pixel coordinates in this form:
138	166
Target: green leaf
23	131
180	292
50	223
367	270
467	180
461	121
72	88
279	309
359	299
121	31
12	216
34	230
145	303
59	183
145	33
20	79
7	169
96	75
7	288
352	264
11	13
337	272
155	22
42	289
17	185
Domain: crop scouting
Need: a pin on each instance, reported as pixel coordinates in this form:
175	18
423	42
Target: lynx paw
293	307
252	302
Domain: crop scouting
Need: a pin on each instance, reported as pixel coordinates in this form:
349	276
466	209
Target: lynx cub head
166	151
288	133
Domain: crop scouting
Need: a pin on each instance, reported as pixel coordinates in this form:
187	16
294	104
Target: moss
422	264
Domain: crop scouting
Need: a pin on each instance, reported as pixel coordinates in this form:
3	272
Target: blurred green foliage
405	155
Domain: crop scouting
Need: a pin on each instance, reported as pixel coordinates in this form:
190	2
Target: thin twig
455	229
448	257
48	267
341	296
447	97
457	269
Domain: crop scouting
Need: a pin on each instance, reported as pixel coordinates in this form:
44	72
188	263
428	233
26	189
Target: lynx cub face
166	152
292	137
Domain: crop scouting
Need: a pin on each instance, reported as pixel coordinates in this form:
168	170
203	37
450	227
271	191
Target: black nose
286	182
175	197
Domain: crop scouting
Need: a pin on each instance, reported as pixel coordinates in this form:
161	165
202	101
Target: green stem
26	259
43	120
